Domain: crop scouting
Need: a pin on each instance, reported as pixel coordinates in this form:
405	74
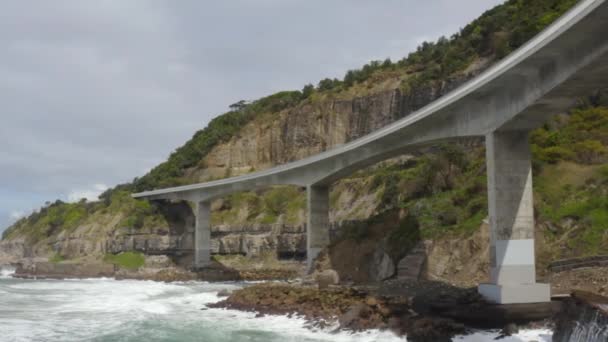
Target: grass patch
56	258
128	260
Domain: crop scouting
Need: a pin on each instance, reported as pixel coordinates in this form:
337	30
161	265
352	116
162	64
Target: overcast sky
94	93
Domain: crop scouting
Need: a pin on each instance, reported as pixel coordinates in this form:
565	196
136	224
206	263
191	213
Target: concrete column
317	228
511	209
202	234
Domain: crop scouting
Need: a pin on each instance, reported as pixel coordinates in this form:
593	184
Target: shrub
56	258
553	154
277	199
128	260
590	151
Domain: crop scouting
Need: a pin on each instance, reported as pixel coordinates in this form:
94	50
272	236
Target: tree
238	106
307	91
387	63
328	84
349	78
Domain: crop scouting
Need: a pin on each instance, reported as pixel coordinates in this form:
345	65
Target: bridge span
567	60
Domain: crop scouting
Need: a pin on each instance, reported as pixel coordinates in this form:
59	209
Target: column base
202	258
516	293
311	255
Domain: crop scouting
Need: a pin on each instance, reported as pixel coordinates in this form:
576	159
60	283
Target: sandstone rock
383	266
61	271
350	319
411	266
371	301
158	261
326	278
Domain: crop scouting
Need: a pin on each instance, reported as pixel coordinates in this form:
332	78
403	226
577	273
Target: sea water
130	310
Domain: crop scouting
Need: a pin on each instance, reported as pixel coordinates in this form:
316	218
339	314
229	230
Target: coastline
422	314
422	310
215	273
159	311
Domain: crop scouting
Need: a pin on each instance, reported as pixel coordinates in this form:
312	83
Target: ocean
131	310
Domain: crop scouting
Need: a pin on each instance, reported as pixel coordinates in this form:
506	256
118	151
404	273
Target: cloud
91	194
101	90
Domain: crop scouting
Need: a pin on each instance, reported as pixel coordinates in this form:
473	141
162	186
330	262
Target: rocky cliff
436	195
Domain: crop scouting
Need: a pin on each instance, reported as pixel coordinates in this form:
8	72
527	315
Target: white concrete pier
511	210
202	234
317	225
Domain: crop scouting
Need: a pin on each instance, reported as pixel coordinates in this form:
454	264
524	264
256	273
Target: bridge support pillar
512	259
202	234
317	228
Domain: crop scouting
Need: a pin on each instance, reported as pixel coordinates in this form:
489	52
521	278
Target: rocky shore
216	272
430	312
584	317
424	310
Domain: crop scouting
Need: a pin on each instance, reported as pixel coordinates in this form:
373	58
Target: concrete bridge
567	60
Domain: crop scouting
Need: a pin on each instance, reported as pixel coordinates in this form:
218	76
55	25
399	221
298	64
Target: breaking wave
129	310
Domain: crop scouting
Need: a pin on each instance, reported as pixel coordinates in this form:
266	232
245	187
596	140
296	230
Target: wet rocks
351	309
285	299
356	312
224	293
584	317
508	330
433	329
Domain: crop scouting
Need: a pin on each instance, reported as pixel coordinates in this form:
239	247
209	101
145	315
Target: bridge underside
544	77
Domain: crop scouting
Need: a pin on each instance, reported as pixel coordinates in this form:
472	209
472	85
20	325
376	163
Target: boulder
350	319
382	266
326	278
509	330
224	293
412	265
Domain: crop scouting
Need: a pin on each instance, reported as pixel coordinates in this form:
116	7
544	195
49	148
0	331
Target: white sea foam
540	335
6	271
129	310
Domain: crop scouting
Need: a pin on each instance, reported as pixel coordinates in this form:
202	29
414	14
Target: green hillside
448	180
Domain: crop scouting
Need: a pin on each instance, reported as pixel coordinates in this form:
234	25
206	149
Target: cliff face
299	133
438	195
317	126
268	140
107	233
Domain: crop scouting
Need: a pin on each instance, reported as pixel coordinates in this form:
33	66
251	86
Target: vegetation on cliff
127	260
445	190
496	33
441	191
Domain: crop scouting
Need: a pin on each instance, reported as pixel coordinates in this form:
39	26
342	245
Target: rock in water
584	317
224	293
509	330
350	320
